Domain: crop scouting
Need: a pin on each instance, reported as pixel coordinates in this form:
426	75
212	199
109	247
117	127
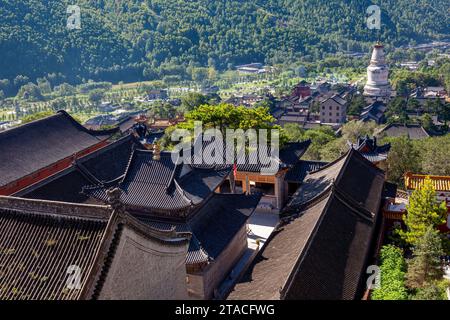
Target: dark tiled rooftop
163	185
411	131
320	249
299	171
214	225
105	164
36	251
35	145
289	155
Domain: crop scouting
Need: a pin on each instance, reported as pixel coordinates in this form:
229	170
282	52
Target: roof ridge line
48	207
86	173
172	176
329	164
353	205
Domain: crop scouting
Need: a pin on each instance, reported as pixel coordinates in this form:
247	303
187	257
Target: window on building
337	107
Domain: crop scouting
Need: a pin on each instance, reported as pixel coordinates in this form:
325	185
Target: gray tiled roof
299	171
213	226
105	164
412	131
320	249
289	155
159	186
38	144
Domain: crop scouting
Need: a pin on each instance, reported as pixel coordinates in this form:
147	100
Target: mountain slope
120	39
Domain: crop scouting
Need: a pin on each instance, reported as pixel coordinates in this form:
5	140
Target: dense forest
133	40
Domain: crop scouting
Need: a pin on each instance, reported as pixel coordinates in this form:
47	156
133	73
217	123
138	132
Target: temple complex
172	195
130	221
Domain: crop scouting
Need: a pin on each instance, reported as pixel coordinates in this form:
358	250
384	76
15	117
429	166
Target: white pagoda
377	85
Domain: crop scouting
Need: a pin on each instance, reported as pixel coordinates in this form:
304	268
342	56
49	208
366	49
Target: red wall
46	172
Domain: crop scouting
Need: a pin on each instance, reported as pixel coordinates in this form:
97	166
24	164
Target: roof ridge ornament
114	201
156	152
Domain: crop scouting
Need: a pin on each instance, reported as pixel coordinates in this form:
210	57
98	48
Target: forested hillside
133	40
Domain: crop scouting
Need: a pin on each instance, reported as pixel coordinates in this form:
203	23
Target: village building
325	241
377	86
301	90
374	112
34	151
156	94
333	110
64	251
373	152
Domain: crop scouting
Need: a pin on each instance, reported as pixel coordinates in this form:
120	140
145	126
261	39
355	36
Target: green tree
193	100
423	211
357	104
435	154
403	157
294	132
36	116
425	266
432	291
96	96
354	129
30	91
392	273
427	122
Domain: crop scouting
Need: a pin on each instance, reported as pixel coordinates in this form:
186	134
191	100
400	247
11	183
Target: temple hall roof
414	181
369	148
299	171
214	225
41	240
412	131
165	185
102	166
38	144
289	155
321	247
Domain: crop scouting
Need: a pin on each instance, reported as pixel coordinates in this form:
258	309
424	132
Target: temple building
412	131
274	187
34	151
373	152
326	239
374	112
377	85
172	195
65	251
